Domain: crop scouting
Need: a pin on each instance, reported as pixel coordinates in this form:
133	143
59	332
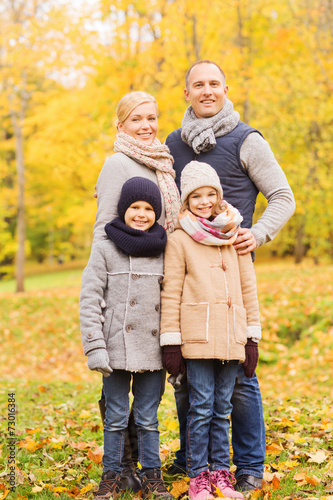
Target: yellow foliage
86	488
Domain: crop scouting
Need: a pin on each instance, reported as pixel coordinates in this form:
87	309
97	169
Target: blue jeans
146	389
248	427
210	386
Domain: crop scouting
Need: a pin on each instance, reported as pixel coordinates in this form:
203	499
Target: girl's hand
251	358
173	360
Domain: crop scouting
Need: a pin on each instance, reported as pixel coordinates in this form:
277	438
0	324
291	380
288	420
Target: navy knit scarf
136	242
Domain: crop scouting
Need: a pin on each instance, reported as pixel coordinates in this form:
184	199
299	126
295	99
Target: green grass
54	279
56	395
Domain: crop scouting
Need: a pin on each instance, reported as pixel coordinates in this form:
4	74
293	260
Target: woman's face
142	123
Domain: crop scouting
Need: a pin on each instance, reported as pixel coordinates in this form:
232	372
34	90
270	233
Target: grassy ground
58	434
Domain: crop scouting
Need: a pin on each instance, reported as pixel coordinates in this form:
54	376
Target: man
212	132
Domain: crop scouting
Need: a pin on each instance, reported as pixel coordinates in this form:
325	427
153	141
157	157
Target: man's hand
245	241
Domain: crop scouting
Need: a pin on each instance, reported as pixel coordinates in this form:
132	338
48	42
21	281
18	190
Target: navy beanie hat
139	189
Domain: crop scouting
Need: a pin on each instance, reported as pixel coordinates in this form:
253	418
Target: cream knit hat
197	174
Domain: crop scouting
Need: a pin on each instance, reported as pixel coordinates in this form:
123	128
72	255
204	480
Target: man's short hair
206	61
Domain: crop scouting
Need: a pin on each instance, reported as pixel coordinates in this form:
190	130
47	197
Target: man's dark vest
238	189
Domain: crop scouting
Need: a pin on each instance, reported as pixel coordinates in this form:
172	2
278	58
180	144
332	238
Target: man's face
206	90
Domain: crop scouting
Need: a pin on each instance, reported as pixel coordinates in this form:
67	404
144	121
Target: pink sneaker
200	487
223	480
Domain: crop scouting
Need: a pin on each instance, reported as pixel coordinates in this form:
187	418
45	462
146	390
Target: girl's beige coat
209	299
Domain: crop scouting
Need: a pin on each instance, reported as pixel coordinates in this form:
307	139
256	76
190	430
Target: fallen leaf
318	458
312	480
178	488
36	489
299	476
268	476
85	489
96	455
275	483
273	448
85	414
81	445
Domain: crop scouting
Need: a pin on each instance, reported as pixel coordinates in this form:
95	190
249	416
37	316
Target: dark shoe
153	485
109	487
175	470
129	480
246	482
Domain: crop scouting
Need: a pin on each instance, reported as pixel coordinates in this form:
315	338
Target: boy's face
202	201
140	215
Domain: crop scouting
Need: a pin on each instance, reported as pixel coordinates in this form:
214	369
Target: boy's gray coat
124	290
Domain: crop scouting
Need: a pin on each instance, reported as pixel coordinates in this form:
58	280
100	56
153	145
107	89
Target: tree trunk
299	246
20	254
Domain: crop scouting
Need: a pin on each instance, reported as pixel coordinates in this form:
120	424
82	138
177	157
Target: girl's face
141	123
140	215
202	201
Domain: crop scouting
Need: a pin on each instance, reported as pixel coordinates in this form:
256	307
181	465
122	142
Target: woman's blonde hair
130	101
220	205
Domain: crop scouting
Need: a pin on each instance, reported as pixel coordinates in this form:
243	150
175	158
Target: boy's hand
251	358
98	360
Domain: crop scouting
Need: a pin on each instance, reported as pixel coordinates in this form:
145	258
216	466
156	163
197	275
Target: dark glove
173	360
251	358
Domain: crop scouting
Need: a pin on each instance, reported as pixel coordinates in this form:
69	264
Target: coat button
154	332
133	302
229	302
90	335
160	279
224	267
157	307
128	328
135	277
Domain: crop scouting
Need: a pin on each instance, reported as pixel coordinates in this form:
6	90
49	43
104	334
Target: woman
138	152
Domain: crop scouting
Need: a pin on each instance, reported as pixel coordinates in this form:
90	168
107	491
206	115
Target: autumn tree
34	63
278	63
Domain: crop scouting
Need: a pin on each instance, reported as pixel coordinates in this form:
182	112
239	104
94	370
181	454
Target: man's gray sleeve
265	172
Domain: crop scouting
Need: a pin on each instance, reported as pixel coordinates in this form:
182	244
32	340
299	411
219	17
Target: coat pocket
194	322
239	324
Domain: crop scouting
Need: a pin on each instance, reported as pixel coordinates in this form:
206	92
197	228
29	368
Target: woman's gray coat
125	290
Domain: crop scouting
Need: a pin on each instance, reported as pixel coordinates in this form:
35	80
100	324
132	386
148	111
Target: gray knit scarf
200	133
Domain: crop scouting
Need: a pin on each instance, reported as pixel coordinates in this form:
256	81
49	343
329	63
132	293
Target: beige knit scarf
158	158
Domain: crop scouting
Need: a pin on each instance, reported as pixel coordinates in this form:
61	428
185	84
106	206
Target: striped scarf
158	158
222	230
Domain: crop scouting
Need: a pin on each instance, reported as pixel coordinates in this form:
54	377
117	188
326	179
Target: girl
119	316
209	308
